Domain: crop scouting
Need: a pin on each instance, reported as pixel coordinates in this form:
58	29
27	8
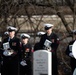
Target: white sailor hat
40	33
6	33
74	31
23	36
10	28
48	26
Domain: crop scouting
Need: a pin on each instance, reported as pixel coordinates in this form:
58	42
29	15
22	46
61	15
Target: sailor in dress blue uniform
51	37
26	49
11	53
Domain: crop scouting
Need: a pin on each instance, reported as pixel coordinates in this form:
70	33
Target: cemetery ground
63	60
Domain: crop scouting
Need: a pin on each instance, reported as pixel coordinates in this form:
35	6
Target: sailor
6	33
50	40
37	44
40	33
11	53
26	48
69	52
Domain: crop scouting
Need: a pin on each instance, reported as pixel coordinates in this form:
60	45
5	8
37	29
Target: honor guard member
37	45
6	34
11	53
54	42
69	52
25	68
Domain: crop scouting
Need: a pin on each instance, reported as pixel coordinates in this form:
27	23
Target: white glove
47	43
7	53
71	55
23	63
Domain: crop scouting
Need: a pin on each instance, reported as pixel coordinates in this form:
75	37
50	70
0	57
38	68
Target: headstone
42	62
74	73
74	49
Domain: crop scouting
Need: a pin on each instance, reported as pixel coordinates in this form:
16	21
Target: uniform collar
48	34
10	38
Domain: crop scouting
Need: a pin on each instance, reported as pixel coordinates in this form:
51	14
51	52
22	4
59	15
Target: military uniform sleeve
55	43
19	49
67	50
42	40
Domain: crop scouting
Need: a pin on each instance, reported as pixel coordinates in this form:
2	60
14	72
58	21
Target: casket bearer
50	40
11	53
25	64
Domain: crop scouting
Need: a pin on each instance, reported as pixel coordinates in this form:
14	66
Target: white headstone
74	49
74	73
42	62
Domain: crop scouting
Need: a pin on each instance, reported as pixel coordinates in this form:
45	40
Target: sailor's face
12	33
25	40
49	30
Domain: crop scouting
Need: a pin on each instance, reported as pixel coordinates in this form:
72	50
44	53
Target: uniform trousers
26	70
10	66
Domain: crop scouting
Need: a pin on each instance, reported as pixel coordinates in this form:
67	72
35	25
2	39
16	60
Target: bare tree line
16	8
